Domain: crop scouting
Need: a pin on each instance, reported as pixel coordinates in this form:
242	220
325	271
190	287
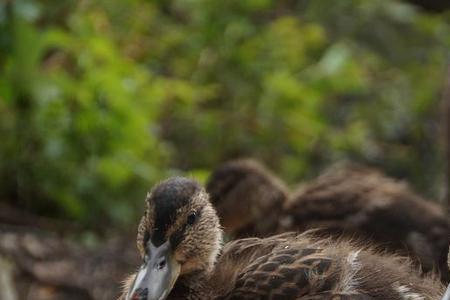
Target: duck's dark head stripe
177	236
167	198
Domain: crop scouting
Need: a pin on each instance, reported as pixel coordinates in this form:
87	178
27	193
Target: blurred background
101	99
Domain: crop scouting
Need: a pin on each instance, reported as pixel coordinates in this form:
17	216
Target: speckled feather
290	266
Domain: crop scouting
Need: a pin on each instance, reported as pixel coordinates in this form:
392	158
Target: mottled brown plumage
347	199
291	266
286	266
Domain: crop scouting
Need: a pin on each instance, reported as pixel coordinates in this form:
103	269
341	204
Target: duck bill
157	276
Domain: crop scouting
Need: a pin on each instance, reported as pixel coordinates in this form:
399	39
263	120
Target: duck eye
192	218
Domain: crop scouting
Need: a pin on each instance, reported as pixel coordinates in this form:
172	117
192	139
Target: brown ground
38	264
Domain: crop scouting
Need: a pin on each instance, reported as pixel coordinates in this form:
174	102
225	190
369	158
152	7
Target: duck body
285	266
291	266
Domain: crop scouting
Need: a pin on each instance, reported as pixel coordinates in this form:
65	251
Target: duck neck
191	287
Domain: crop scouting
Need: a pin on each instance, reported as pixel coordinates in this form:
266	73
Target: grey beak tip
140	294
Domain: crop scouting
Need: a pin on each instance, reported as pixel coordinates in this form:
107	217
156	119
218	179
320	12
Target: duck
180	242
347	199
358	201
244	192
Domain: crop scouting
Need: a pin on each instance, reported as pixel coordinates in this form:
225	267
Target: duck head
178	235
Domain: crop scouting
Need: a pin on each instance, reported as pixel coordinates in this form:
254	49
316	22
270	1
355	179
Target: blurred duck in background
346	200
248	198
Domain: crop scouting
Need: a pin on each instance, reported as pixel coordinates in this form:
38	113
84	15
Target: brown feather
304	267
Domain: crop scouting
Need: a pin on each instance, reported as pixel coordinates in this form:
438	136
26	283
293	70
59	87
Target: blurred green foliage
100	99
